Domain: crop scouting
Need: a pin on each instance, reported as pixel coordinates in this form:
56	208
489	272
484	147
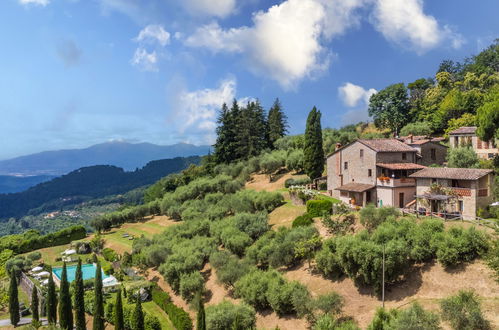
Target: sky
74	73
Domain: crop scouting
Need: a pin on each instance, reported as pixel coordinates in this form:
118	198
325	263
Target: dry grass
285	214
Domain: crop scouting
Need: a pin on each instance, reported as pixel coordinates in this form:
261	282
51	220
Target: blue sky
78	72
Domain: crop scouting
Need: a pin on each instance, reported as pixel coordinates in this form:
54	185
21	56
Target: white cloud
406	24
144	60
212	8
341	15
352	94
154	33
35	2
355	96
283	43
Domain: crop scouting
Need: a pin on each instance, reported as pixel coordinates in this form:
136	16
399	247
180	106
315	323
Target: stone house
373	171
458	191
466	136
429	150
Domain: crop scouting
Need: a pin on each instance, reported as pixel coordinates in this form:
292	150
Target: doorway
401	200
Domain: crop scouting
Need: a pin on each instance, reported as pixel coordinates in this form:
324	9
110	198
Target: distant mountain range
128	156
85	184
13	184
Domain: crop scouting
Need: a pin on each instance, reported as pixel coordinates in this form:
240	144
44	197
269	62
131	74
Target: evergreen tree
13	299
79	299
313	150
226	144
124	291
201	316
118	312
51	301
98	300
276	123
34	307
65	308
138	316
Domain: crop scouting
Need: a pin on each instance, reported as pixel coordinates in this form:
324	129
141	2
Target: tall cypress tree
98	300
201	316
34	307
313	151
119	323
13	299
277	123
65	308
51	301
138	316
79	299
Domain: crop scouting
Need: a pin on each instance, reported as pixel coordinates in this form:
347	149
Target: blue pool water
88	271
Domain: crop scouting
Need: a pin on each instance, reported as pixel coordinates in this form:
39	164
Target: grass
153	309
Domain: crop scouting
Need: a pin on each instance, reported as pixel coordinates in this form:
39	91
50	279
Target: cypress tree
138	316
124	291
34	307
277	123
79	299
313	151
118	313
201	316
98	300
13	299
65	308
51	301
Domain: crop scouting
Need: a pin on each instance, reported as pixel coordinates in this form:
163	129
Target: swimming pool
88	271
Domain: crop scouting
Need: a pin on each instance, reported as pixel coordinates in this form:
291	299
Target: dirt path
426	285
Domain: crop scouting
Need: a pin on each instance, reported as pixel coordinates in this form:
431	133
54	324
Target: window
433	180
345	166
404	156
361	153
433	153
456	142
455	183
343	193
369	173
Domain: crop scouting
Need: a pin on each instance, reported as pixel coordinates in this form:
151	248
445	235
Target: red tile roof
451	173
355	187
464	130
387	145
401	166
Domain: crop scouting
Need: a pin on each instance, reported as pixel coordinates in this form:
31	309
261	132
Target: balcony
392	182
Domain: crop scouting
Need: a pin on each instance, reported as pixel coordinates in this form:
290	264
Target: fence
27	286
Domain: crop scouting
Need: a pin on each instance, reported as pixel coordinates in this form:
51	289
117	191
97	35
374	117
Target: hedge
179	317
303	220
109	254
35	241
317	208
297	182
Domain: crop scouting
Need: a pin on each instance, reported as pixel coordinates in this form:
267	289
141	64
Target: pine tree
98	300
34	307
118	313
226	144
79	299
65	308
201	316
138	316
276	123
13	299
51	301
313	151
251	131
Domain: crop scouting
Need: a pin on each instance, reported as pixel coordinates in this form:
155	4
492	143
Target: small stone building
466	136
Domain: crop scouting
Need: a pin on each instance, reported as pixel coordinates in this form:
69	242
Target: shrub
415	317
303	220
227	315
180	318
317	208
33	256
254	225
228	267
190	284
235	240
458	245
416	128
372	216
297	182
463	312
109	254
329	303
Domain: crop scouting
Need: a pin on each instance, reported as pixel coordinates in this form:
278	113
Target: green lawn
153	309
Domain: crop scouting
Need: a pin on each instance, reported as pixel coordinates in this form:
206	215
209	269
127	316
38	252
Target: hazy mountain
12	184
87	183
128	156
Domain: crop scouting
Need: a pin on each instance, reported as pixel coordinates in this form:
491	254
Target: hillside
13	184
128	156
87	183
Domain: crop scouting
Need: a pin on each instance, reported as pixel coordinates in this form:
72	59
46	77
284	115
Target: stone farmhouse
459	191
466	136
377	171
429	150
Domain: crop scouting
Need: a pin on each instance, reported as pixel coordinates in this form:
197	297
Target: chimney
411	138
338	146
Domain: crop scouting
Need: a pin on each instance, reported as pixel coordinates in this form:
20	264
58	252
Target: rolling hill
13	184
128	156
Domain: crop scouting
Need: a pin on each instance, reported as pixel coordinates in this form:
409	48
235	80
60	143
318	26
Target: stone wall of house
395	157
440	154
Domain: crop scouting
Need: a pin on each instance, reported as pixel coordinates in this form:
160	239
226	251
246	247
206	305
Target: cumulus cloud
406	24
144	60
42	3
212	8
69	52
154	33
354	96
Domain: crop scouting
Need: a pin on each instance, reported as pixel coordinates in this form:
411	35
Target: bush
110	255
416	128
227	315
33	256
190	284
228	267
463	312
294	161
317	208
372	216
180	318
297	182
415	317
458	245
303	220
